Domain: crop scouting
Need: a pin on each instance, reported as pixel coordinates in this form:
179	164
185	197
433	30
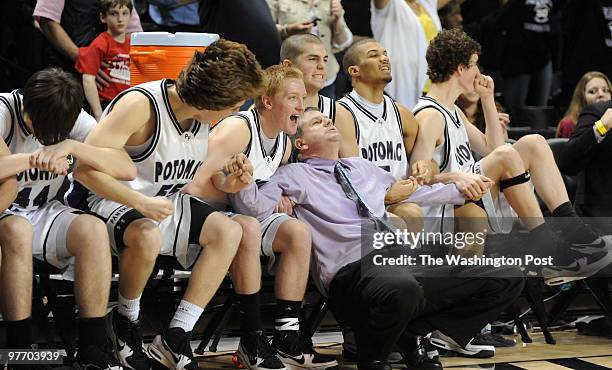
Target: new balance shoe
127	342
255	352
95	358
580	261
173	350
297	352
446	344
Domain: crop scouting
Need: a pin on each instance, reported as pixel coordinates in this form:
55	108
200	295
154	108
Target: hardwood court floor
572	351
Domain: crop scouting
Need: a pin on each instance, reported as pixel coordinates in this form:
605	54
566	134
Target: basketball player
163	126
307	53
40	126
446	136
372	124
262	135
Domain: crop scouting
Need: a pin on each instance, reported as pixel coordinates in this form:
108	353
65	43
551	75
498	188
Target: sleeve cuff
598	136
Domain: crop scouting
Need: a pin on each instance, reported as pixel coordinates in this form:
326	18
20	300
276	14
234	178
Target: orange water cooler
157	55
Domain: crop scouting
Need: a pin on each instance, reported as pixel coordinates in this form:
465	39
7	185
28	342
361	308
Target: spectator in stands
526	63
322	18
593	87
111	47
405	28
589	150
587	42
386	307
175	15
470	104
228	18
71	24
450	15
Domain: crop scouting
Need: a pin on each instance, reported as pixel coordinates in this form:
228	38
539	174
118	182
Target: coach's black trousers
389	306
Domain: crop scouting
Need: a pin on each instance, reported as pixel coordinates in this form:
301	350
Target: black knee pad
516	180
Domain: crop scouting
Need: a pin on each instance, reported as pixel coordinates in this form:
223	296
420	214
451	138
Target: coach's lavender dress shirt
320	202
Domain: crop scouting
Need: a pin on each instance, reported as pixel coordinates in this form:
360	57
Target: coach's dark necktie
364	210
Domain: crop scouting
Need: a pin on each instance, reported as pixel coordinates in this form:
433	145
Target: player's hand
102	79
155	208
238	165
471	185
504	120
285	205
484	86
336	11
422	171
52	157
401	190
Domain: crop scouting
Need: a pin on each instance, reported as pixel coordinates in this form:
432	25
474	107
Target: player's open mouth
294	118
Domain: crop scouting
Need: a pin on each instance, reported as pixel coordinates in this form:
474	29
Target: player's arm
494	135
230	137
345	123
430	134
115	162
91	94
287	153
8	184
410	128
129	116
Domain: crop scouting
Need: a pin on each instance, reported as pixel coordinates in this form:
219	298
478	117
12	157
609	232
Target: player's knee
300	238
409	212
90	231
508	157
251	232
534	142
222	233
16	236
144	239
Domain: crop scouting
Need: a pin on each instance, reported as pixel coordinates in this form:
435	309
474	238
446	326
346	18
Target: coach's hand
484	86
155	208
471	185
606	119
285	205
401	190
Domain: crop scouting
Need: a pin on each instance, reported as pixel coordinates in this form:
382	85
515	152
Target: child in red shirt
111	48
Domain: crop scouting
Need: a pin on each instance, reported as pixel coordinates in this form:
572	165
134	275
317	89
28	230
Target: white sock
186	316
129	308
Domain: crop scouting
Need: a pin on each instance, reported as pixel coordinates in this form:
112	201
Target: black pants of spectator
389	306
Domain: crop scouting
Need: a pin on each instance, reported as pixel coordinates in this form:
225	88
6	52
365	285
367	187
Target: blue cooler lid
172	39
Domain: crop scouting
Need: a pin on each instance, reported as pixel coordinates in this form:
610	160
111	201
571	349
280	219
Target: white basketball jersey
380	139
264	164
170	158
36	186
327	106
455	153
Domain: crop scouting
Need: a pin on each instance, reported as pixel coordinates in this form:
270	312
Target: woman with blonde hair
593	87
